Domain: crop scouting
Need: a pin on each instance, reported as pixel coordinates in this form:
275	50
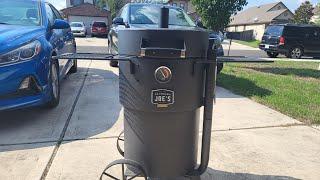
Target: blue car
31	33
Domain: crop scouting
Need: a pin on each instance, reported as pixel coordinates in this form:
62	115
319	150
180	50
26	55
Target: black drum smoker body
162	90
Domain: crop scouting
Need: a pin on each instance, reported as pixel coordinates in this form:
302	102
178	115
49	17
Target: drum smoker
166	77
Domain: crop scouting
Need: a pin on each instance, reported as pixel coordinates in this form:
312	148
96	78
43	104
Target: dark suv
293	41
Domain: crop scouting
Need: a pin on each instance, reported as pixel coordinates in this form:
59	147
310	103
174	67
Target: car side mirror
200	24
118	21
60	24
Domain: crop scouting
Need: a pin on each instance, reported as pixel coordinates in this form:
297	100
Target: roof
257	15
86	9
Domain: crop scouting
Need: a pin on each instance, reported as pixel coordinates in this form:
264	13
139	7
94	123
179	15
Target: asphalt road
77	140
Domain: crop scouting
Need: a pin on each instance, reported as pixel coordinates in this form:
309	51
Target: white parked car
78	29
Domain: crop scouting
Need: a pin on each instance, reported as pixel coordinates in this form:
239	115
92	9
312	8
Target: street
77	140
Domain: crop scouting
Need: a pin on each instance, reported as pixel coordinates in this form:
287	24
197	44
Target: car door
314	41
311	40
68	42
57	39
317	41
113	35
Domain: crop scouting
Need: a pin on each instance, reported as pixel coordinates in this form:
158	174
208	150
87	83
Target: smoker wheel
140	171
120	138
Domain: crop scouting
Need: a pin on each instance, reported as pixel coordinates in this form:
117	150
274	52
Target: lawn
292	88
253	43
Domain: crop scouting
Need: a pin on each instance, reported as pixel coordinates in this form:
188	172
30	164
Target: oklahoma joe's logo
162	98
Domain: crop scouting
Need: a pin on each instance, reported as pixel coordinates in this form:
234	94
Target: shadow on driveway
39	127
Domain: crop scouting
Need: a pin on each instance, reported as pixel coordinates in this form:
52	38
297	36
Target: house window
76	2
279	7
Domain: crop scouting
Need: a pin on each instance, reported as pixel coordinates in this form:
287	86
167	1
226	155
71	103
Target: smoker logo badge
163	74
162	98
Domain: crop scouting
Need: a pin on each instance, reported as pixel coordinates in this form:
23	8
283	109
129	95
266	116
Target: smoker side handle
208	111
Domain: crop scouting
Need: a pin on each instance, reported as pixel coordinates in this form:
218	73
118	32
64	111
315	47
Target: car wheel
272	54
296	53
74	68
54	85
219	67
114	63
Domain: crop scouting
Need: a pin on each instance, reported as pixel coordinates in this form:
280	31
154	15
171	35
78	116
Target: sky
291	4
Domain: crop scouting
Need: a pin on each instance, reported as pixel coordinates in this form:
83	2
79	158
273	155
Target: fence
243	36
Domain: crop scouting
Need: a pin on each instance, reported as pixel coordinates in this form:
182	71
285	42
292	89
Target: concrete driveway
77	140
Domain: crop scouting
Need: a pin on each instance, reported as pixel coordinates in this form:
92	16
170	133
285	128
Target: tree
216	14
304	13
114	5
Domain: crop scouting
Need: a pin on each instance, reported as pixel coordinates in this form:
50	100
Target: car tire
219	67
74	68
54	84
272	54
114	63
296	53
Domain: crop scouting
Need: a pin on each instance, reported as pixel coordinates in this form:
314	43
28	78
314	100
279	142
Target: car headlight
23	53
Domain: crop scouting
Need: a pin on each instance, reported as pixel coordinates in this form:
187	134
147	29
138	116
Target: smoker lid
163	42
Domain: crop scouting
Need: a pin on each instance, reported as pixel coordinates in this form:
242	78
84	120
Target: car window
20	12
50	14
274	30
56	12
99	24
76	25
148	14
124	14
314	33
296	32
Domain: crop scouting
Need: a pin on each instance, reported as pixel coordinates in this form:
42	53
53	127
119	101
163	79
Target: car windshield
274	30
20	12
147	14
76	25
99	24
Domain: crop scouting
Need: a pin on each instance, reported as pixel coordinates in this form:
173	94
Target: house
259	17
85	11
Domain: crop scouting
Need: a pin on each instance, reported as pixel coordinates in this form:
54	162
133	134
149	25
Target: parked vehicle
139	15
293	41
99	29
31	33
78	29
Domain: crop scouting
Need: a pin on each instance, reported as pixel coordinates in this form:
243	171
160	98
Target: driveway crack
63	133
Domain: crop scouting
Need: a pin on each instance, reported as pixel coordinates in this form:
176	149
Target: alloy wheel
296	53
